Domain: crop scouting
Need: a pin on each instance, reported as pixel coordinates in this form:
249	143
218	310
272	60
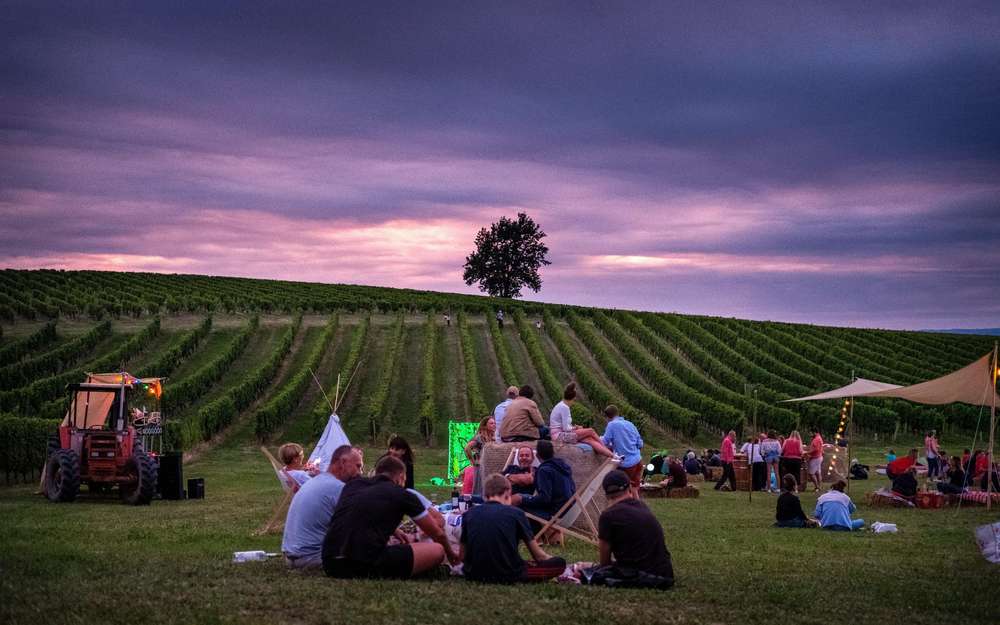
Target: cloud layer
807	162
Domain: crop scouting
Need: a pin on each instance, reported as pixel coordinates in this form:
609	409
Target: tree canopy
507	257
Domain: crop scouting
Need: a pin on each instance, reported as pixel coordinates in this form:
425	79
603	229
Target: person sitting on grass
890	456
491	534
692	465
631	543
956	479
834	508
553	485
678	477
621	436
789	512
368	513
293	457
905	485
400	449
520	473
562	430
312	508
901	465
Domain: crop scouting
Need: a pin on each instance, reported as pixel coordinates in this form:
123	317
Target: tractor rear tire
141	492
62	476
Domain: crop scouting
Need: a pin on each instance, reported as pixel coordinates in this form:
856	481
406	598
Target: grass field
99	561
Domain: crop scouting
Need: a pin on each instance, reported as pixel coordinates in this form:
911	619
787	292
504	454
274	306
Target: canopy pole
753	435
848	431
993	426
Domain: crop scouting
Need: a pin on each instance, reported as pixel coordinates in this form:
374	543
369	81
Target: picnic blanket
979	497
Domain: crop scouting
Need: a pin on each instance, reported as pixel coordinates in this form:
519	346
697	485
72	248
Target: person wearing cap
622	437
501	410
629	535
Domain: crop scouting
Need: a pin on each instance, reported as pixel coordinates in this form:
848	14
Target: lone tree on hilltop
507	257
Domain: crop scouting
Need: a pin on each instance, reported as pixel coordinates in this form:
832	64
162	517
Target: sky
830	163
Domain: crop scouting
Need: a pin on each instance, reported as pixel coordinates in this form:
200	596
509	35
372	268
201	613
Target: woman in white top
757	471
562	430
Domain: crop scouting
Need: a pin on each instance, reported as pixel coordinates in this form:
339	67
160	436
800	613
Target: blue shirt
833	509
309	515
622	437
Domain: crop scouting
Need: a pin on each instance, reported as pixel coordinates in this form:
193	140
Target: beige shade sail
92	408
972	384
860	386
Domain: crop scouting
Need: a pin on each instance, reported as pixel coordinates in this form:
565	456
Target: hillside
240	350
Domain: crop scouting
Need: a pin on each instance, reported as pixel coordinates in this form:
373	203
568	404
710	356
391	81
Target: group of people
518	419
771	456
348	525
950	476
833	508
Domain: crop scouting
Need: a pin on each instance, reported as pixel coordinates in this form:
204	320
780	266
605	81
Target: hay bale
583	463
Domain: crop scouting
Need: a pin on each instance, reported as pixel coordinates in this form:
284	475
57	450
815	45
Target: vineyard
245	351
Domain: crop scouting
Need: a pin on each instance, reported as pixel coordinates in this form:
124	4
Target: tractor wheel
62	475
141	491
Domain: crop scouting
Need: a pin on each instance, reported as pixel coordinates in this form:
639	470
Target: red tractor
98	444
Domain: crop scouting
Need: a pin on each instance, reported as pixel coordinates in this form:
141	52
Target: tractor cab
99	444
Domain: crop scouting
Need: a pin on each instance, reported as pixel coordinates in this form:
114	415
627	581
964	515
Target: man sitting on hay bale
553	484
521	473
522	421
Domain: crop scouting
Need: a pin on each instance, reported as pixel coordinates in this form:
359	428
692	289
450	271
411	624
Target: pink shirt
931	446
792	448
816	447
727	452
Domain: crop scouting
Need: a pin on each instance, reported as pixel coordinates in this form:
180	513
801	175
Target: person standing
816	461
562	430
751	449
791	456
312	508
501	410
727	454
932	453
771	450
500	318
623	438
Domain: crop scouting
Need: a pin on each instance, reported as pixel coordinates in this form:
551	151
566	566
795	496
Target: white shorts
815	465
569	438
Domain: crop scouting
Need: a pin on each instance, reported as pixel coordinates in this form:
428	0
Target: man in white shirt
501	409
312	508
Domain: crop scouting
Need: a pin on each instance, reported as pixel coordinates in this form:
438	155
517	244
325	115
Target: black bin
171	476
196	488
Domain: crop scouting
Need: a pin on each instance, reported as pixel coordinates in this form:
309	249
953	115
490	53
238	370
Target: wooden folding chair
276	523
576	508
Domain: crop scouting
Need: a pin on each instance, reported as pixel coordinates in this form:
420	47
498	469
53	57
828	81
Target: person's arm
536	551
800	512
609	436
436	533
639	443
468	449
543	490
604	548
536	416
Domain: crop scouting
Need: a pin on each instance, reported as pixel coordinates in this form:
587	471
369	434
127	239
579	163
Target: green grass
99	561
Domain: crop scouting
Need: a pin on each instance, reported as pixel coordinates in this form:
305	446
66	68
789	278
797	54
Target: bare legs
426	556
590	437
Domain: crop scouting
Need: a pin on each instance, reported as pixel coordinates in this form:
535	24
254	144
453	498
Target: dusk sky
822	162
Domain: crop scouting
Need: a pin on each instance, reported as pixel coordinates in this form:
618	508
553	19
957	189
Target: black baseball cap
615	482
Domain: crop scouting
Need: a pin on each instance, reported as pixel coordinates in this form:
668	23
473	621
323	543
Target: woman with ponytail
562	430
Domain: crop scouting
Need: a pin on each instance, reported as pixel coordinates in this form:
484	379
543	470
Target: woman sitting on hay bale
562	430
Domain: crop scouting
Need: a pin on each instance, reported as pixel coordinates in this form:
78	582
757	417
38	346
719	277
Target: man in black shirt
491	534
520	473
629	534
369	511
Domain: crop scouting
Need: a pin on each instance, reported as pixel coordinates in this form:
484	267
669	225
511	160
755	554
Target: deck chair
576	509
276	523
